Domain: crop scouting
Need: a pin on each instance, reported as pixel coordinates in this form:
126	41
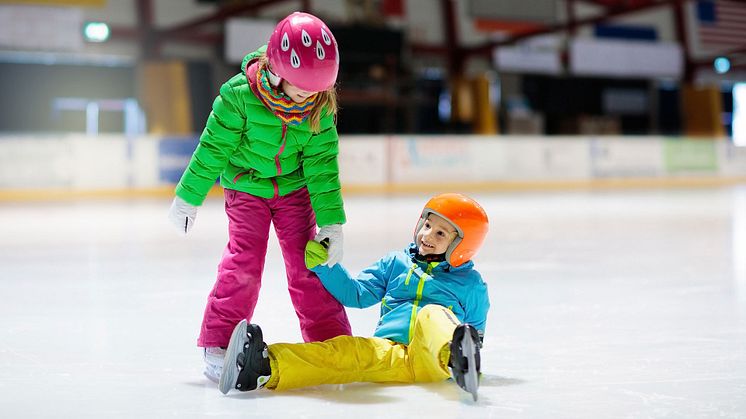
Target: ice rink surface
605	304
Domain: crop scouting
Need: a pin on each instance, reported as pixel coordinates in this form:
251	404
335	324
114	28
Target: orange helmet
469	219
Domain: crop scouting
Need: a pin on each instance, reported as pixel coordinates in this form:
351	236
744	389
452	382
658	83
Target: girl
272	139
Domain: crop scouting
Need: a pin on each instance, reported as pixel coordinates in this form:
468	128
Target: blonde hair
325	101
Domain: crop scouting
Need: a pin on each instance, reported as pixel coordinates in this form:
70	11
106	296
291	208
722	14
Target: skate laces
215	350
214	356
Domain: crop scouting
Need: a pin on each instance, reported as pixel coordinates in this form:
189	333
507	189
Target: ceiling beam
190	31
220	15
450	20
150	47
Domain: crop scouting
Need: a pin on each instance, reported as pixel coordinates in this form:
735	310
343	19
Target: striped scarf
283	107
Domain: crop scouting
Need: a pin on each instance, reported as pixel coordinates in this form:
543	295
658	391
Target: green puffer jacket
243	143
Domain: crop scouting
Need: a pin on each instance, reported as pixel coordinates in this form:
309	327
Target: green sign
690	155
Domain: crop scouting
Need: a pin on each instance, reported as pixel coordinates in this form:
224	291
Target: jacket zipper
418	295
277	161
409	274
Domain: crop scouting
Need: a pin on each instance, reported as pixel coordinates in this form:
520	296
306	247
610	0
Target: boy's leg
343	359
429	349
235	293
321	316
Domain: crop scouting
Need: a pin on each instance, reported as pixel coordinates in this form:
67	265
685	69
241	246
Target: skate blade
229	375
471	379
210	375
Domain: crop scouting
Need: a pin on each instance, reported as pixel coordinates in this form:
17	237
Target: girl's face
295	94
435	235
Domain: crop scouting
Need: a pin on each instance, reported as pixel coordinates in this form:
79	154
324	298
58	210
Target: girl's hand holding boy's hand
182	215
315	254
333	234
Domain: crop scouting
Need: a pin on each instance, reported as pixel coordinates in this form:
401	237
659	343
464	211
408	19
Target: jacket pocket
230	197
385	308
249	172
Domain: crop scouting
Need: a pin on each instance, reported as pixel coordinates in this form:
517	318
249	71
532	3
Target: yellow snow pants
348	359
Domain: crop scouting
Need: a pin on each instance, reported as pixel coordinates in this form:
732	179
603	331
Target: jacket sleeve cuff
326	218
189	196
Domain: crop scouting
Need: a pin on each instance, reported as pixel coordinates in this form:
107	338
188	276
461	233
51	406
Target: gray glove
333	235
182	215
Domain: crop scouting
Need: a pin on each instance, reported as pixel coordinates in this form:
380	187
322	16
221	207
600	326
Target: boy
433	314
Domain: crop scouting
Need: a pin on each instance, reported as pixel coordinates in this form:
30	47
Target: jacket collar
444	265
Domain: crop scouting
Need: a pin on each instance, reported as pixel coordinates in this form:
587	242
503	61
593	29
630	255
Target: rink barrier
48	195
76	166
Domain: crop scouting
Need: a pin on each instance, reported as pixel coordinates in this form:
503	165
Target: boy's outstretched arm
365	290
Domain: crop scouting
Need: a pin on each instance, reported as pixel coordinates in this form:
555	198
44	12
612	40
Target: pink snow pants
235	294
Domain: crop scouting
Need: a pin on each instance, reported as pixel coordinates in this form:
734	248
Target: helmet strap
274	79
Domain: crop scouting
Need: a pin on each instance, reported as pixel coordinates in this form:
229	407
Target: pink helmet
303	51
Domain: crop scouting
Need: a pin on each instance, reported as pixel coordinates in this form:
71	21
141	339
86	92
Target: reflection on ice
604	304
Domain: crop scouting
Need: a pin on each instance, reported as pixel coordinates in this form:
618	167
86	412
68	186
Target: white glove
182	215
332	233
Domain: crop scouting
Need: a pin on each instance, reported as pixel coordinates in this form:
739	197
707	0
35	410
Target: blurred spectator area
546	67
29	91
371	79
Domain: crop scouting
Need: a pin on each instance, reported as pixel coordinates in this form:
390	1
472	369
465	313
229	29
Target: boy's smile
435	235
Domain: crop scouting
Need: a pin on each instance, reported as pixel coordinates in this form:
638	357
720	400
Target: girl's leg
235	293
344	359
321	316
429	349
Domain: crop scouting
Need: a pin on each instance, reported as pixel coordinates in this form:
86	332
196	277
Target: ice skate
465	361
214	358
246	365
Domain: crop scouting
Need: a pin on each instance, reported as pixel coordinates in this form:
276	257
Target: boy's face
435	235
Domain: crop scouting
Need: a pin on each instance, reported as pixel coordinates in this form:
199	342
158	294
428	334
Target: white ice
605	304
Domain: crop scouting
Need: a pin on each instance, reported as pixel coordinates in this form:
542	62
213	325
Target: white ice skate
214	358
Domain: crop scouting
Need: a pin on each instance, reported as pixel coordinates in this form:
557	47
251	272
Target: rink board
77	163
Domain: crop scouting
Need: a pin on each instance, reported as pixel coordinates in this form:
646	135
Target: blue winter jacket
403	285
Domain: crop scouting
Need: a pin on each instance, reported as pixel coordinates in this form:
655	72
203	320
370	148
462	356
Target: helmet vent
305	38
285	43
320	53
325	36
294	59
